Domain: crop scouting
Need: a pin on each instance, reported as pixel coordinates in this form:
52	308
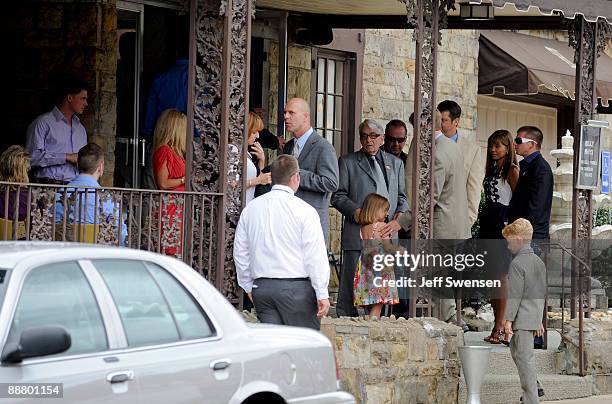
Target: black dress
493	218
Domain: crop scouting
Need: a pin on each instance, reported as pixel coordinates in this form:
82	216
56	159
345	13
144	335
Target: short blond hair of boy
520	228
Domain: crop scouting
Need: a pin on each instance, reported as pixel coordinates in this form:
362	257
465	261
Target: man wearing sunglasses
532	198
396	134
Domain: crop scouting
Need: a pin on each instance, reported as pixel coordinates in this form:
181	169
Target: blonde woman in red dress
169	169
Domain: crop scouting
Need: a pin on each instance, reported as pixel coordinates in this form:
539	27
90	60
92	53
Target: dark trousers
286	302
345	306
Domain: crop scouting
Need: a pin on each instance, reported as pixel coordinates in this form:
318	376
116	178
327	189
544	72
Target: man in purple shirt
54	138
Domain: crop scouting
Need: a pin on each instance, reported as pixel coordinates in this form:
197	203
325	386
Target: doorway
129	66
150	38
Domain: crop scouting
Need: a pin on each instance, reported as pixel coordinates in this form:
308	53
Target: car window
3	282
190	319
59	294
143	309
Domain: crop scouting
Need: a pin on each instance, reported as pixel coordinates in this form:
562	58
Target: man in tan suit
473	158
449	195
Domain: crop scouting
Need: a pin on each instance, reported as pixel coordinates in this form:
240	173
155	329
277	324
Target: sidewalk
607	399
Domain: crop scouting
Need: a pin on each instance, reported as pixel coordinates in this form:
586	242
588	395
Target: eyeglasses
521	140
371	136
392	139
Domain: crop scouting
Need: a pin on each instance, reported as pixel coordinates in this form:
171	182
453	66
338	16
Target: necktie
296	149
381	186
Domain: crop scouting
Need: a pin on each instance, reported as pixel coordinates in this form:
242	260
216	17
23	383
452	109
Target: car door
60	294
175	350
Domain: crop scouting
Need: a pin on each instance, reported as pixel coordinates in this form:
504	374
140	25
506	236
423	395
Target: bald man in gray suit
317	159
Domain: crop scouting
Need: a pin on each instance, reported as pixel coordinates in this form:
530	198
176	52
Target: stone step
498	389
500	362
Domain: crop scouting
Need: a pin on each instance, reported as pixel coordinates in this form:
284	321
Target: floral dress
365	292
171	215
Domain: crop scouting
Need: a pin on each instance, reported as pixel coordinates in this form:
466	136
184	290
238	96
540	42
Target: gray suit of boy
526	292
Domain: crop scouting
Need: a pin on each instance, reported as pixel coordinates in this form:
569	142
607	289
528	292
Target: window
191	321
151	315
331	99
59	294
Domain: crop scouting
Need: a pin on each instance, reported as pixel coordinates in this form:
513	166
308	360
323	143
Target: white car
115	325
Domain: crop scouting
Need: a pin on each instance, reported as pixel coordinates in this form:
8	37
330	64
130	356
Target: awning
591	9
522	64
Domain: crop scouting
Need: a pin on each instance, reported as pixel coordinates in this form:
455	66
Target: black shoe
538	342
540	392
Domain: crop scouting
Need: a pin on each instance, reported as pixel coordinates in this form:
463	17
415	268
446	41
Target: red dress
171	226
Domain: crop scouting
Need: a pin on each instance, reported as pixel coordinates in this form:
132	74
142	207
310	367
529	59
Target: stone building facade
389	64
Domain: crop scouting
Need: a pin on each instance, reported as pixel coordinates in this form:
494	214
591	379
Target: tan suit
473	164
450	219
450	200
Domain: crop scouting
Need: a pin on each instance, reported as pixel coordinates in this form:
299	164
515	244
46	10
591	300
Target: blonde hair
520	228
372	205
15	164
171	130
254	123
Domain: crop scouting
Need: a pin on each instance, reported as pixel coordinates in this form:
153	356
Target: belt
284	279
51	181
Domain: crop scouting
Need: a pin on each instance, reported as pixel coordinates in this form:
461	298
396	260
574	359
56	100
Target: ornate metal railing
180	224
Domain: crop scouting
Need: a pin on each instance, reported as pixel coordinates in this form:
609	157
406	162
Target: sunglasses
371	136
521	140
392	139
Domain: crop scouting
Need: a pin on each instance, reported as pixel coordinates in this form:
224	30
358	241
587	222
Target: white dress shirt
280	236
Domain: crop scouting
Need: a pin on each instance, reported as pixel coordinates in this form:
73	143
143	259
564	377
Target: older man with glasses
532	198
366	171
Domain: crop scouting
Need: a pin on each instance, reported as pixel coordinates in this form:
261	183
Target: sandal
494	338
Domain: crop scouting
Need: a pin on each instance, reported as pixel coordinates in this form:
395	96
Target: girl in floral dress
373	213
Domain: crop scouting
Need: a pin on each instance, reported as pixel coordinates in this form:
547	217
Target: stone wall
298	78
397	361
598	352
65	38
388	75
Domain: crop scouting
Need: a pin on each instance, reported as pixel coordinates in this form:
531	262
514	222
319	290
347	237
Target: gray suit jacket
318	175
450	217
357	182
526	290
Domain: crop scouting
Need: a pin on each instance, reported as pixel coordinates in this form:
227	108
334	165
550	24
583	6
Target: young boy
526	292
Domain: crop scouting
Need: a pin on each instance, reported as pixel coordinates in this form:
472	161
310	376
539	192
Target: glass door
129	149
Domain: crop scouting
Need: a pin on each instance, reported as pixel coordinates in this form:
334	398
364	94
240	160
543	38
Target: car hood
287	332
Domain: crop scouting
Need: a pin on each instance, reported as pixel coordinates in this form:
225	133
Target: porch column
220	106
588	39
426	16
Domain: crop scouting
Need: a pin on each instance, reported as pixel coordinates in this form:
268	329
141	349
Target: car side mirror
37	341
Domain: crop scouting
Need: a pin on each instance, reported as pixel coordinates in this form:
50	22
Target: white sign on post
589	157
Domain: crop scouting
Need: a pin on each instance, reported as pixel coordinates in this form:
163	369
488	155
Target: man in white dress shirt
280	253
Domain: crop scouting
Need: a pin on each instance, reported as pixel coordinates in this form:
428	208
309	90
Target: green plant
603	216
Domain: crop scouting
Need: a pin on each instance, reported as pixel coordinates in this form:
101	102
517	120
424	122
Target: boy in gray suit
526	292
